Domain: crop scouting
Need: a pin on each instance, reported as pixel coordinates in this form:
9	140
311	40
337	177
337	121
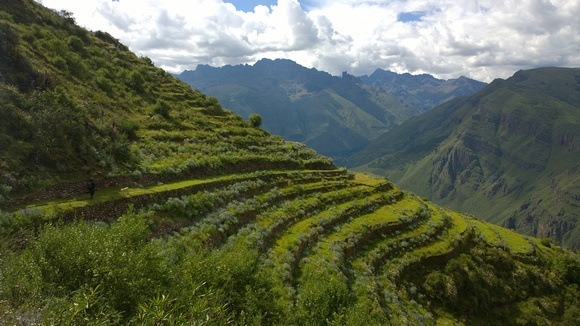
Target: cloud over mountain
482	39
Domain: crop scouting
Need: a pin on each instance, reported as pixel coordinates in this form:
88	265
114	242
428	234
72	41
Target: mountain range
423	92
509	153
334	115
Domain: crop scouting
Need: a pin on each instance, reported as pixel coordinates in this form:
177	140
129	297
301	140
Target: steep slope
213	222
333	115
509	154
76	103
422	91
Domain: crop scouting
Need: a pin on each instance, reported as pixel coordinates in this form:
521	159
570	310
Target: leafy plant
255	120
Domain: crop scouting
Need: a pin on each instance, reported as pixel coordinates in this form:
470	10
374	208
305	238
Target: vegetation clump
255	120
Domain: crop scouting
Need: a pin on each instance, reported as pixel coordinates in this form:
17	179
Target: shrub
113	265
76	44
9	40
136	81
59	63
76	65
255	120
162	108
105	84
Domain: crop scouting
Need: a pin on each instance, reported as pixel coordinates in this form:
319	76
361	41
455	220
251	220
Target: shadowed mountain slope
509	153
201	219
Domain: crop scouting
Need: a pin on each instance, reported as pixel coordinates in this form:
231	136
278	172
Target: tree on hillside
255	120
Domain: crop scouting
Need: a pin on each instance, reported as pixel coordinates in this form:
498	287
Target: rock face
509	153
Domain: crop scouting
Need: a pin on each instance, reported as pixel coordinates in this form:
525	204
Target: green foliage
113	265
352	254
58	131
87	306
76	44
9	42
59	63
83	102
162	108
255	120
136	81
67	16
568	268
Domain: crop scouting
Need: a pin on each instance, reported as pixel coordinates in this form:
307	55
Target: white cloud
482	39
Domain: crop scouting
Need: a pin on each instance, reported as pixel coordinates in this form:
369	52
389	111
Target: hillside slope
332	115
208	221
76	103
509	154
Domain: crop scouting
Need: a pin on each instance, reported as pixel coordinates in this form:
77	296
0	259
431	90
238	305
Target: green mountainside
200	218
509	154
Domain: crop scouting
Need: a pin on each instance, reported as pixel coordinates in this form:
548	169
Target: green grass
104	195
501	237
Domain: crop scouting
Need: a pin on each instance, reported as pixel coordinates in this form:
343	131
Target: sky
480	39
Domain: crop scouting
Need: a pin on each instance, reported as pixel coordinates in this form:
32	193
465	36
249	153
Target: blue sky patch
248	5
412	16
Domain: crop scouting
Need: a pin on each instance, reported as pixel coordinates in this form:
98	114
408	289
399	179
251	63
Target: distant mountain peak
424	90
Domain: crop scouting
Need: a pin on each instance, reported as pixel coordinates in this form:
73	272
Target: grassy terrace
505	238
291	246
283	202
110	194
311	245
108	204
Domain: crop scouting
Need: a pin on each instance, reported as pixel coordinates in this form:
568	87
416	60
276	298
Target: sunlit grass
111	194
515	241
368	179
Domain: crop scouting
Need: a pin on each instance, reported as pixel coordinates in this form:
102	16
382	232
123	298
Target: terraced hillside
274	247
201	219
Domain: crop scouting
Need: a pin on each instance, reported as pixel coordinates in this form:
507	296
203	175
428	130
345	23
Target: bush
105	84
162	108
9	40
136	81
76	44
255	120
114	267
